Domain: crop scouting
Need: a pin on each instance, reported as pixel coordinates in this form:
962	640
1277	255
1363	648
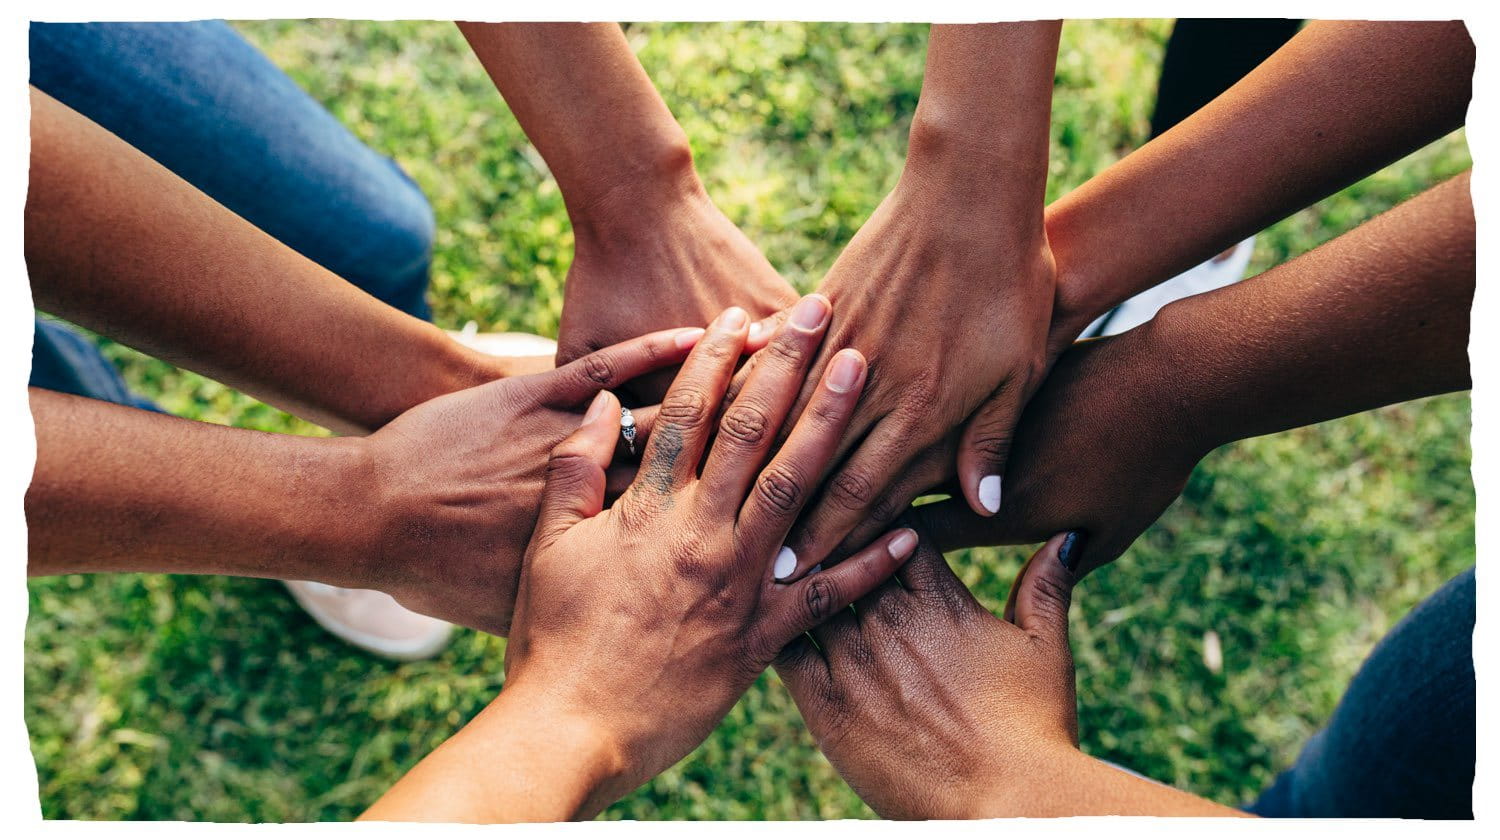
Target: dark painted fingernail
1071	551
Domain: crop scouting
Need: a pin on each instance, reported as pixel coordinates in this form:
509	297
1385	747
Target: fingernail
810	312
989	493
847	367
903	544
733	318
755	329
687	338
815	569
595	407
786	563
1071	551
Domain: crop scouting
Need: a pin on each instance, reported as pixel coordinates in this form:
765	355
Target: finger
622	469
750	424
784	485
686	414
762	331
612	367
575	470
846	498
925	475
1015	589
952	525
1046	591
796	608
985	447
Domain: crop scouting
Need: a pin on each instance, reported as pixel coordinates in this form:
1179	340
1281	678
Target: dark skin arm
1378	316
930	707
118	244
1339	101
651	250
435	508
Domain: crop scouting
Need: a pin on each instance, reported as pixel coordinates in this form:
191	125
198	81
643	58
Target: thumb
575	469
1045	590
985	447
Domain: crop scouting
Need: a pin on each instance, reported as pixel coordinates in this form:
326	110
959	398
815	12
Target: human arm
651	250
118	244
948	288
435	508
1336	103
1377	316
637	627
930	707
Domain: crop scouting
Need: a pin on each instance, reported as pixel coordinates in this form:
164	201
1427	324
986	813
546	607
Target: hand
1103	448
932	708
953	317
653	264
454	483
650	618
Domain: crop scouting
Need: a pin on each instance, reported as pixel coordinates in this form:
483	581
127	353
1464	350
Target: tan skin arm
118	244
1339	101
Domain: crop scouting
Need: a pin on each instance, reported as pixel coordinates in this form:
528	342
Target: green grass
160	697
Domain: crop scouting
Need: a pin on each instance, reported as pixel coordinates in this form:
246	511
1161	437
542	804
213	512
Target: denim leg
203	102
62	360
1401	742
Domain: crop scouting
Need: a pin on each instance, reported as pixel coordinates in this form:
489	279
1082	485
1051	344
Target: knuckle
785	350
888	507
744	423
597	369
819	600
852	489
683	406
991	445
1052	595
780	489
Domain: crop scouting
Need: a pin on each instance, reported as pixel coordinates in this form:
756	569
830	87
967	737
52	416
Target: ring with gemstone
627	429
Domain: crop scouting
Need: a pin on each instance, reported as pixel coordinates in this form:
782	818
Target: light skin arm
651	250
1377	316
118	244
947	289
1339	101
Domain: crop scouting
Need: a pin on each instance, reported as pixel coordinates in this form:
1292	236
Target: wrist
1169	365
985	175
573	761
630	194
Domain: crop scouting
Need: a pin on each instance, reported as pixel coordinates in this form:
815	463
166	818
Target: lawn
166	697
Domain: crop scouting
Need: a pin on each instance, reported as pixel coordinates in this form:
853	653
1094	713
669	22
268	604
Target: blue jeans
1401	742
201	101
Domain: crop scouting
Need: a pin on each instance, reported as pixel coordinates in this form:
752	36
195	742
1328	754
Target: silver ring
627	429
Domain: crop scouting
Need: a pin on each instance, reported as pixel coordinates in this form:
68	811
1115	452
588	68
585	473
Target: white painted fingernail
989	493
786	563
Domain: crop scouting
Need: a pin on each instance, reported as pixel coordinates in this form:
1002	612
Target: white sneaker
1223	270
510	344
372	621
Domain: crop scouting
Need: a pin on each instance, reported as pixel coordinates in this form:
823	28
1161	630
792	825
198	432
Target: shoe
509	344
372	621
1223	270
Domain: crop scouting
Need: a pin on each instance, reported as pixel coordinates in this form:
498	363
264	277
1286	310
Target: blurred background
1205	656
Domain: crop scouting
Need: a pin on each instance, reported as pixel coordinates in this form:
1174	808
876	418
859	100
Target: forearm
1073	785
1338	102
1378	316
586	103
524	758
980	132
118	244
119	489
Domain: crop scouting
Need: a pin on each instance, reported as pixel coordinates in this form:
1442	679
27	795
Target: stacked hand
680	565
